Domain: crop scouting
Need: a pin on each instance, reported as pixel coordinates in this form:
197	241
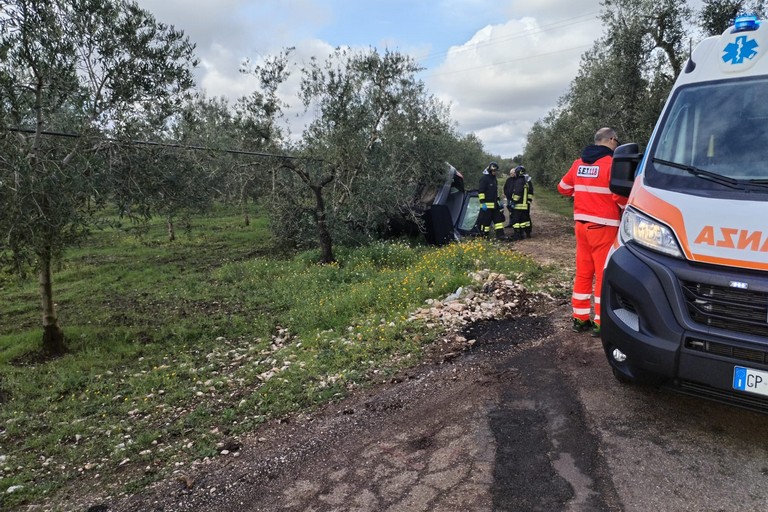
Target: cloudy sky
500	64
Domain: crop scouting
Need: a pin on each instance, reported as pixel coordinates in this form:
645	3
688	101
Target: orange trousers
593	242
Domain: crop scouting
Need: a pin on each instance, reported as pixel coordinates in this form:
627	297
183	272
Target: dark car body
450	211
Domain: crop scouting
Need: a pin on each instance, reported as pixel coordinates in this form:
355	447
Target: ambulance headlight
643	230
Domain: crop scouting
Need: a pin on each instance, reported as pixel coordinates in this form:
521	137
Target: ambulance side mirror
626	158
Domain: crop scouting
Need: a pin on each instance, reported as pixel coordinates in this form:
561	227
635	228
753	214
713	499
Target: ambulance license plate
748	379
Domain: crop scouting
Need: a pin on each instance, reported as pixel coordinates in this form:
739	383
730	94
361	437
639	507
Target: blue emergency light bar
746	23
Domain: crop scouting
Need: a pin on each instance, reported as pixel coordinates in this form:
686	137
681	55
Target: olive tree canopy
97	71
376	137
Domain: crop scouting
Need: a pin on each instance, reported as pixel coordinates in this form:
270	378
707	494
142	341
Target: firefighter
529	182
491	218
597	214
517	190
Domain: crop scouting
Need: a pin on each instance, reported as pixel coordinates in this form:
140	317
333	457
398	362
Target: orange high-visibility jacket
588	183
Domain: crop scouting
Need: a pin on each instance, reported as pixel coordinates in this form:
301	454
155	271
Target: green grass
176	345
554	202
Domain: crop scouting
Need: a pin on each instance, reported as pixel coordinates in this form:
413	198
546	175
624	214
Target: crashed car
450	212
442	213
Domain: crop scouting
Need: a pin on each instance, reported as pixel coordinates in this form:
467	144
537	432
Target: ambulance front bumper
687	326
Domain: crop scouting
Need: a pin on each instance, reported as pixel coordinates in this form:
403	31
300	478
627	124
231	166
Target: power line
485	66
164	144
544	28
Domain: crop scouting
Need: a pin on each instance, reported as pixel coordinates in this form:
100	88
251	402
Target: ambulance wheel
621	377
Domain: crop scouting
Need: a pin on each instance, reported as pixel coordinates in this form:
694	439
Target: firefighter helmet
519	170
493	166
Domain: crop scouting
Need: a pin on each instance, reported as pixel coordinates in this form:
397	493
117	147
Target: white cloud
507	76
500	64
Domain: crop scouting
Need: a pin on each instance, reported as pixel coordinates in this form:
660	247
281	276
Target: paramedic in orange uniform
597	213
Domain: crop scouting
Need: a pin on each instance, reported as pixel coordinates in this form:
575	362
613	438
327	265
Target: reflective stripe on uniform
597	220
593	190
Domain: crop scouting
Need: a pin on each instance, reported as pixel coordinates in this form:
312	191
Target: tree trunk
324	236
171	230
244	203
53	336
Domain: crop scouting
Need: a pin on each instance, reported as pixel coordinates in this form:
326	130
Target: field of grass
552	201
175	346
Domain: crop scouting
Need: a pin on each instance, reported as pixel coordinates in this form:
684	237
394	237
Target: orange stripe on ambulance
732	238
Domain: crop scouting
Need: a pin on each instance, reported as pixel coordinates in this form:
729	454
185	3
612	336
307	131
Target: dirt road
528	417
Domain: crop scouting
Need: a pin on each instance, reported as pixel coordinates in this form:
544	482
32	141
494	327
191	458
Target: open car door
453	212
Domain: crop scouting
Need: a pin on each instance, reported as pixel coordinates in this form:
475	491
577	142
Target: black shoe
582	325
595	332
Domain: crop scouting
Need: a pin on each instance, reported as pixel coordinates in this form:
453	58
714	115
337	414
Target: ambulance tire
623	379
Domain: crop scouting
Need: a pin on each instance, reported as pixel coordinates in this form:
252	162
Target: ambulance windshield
711	131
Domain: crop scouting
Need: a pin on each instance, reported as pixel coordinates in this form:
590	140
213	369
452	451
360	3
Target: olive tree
377	135
467	155
90	69
257	131
717	15
623	81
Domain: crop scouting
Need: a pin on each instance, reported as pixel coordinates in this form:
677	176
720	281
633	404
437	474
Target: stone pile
492	296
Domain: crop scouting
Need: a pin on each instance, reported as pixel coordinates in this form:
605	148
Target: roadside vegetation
552	201
625	77
175	347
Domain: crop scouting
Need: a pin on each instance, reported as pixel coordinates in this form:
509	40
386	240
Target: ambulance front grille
749	355
749	401
734	309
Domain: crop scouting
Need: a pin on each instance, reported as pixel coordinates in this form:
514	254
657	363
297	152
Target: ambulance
685	290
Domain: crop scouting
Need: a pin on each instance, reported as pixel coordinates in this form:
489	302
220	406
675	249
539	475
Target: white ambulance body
685	289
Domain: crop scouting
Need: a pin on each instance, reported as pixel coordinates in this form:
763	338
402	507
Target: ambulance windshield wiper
701	173
760	182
